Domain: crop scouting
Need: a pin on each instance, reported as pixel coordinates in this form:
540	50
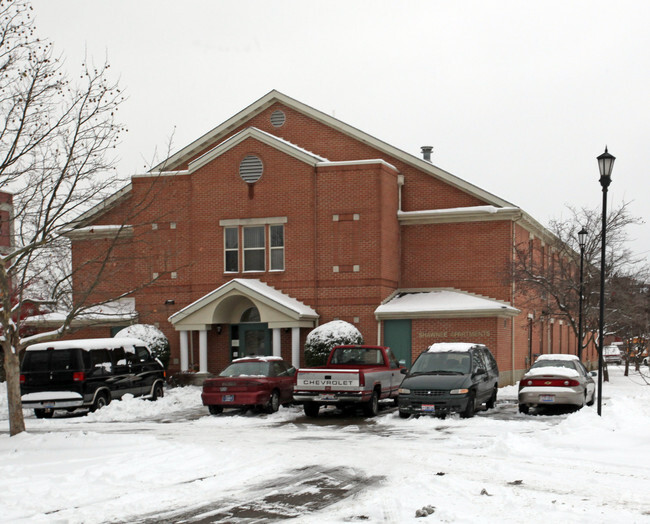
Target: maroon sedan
262	382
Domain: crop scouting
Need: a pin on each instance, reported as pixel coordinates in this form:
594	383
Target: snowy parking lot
170	461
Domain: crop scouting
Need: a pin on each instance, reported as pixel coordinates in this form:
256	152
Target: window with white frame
276	256
254	248
231	243
253	245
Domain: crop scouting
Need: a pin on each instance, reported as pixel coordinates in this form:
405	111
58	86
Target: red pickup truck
353	375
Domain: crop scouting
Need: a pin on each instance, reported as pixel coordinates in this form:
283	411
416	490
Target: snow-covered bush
322	339
153	337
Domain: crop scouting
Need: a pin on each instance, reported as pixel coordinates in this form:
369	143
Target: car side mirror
480	371
593	373
403	371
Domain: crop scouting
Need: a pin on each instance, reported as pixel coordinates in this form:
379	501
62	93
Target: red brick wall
473	256
5	219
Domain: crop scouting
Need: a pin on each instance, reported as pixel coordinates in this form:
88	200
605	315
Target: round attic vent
278	118
251	169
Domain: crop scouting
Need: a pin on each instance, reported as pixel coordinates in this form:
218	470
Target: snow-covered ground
170	461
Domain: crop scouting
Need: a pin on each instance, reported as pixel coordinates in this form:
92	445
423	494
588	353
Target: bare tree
629	314
56	140
548	276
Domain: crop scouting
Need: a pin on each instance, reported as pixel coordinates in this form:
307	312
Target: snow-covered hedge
153	337
322	339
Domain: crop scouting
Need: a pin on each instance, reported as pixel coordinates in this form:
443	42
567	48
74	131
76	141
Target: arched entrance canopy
226	304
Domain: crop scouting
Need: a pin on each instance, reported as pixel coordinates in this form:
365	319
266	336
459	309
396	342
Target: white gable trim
275	96
199	313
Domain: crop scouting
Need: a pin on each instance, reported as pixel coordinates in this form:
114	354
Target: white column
295	347
184	351
203	351
277	349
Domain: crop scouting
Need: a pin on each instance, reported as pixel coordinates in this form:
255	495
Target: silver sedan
556	379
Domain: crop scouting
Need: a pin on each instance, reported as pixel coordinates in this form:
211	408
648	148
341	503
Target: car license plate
547	398
326	397
228	398
429	408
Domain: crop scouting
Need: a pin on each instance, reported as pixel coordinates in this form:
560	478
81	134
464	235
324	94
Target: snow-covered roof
201	311
440	303
120	312
459	214
100	231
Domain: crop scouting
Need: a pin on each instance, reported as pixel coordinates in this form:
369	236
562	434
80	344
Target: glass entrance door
254	339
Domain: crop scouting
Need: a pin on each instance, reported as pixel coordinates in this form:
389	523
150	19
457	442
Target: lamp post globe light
605	165
582	241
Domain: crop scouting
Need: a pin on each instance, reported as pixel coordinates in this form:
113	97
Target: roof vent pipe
426	152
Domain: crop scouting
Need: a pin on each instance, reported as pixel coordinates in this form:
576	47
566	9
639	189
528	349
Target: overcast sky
518	98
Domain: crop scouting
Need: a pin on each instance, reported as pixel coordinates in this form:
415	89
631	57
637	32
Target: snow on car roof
552	370
445	347
556	356
257	357
87	343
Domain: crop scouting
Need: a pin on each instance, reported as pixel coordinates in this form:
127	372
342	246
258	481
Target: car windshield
554	364
250	368
357	356
456	363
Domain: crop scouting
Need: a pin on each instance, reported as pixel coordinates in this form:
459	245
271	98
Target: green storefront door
397	336
254	339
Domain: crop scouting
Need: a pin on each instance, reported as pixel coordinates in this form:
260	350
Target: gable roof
262	136
277	308
222	130
441	303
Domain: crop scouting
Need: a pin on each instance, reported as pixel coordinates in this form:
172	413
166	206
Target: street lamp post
605	165
582	241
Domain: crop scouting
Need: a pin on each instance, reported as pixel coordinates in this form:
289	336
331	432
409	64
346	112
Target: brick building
283	218
6	221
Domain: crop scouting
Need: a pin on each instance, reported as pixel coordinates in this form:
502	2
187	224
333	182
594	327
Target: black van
450	378
87	373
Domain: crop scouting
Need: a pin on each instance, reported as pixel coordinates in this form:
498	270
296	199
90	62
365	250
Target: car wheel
372	407
100	401
523	408
311	409
158	391
274	402
44	413
492	402
404	414
470	408
215	410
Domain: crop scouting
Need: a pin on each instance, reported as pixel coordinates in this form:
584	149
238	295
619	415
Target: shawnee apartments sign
455	335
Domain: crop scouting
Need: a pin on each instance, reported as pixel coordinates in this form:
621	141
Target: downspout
315	253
